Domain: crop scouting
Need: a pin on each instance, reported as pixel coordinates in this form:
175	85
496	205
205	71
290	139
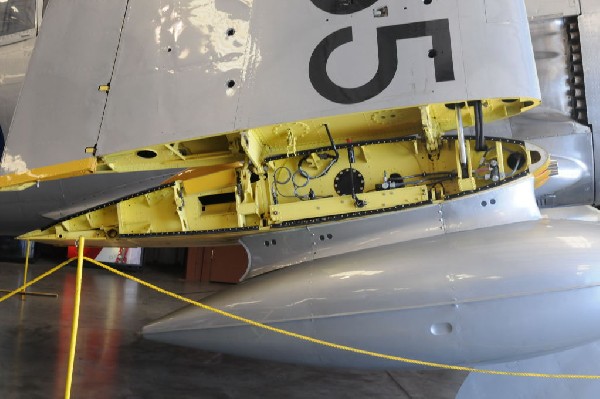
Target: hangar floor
113	361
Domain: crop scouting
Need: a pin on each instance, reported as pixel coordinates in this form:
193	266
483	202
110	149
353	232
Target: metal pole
75	317
461	135
27	252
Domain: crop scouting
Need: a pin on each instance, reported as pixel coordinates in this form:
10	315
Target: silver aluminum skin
509	203
484	295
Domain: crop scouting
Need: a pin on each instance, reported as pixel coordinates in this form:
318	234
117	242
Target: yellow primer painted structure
281	174
384	175
542	174
21	181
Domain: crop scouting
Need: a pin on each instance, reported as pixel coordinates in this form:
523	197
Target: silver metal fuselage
488	295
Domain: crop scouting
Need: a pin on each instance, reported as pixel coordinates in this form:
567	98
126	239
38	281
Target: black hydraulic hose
479	138
333	147
1	143
351	160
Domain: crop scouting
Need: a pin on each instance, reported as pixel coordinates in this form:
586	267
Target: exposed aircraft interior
308	198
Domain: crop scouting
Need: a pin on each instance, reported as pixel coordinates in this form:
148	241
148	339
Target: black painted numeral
438	29
343	7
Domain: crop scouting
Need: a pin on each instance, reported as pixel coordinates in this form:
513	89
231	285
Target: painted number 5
438	29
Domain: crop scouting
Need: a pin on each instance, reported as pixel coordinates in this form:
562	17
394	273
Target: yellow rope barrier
338	346
35	280
300	336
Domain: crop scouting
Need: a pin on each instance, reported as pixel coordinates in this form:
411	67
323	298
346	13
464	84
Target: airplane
383	164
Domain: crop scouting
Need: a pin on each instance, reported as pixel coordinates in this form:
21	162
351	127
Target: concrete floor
113	361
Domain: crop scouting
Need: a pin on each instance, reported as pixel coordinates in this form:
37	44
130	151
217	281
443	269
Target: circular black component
432	53
230	84
397	178
515	160
535	156
230	32
347	178
147	154
454	105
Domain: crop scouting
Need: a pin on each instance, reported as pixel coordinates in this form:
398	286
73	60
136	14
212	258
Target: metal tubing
461	137
27	252
75	317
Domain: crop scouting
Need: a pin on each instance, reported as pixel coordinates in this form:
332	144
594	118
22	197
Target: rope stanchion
23	288
343	347
27	252
25	293
35	280
75	326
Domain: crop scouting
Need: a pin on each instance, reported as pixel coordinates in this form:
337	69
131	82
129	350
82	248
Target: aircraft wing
142	86
133	74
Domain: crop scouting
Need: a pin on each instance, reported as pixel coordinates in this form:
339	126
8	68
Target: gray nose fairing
487	295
